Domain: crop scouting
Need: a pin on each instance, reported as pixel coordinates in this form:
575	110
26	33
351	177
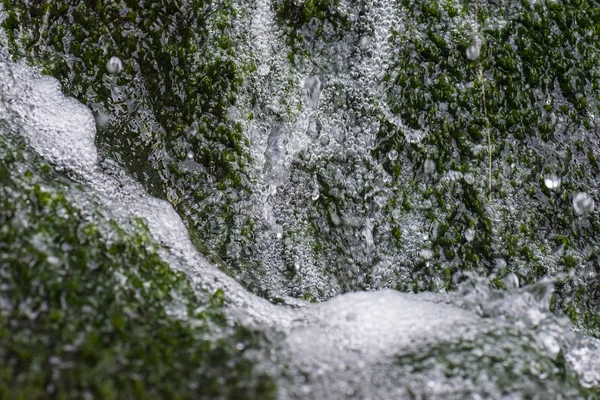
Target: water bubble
469	179
114	65
190	155
102	119
426	254
264	69
393	155
583	203
313	85
500	263
315	194
364	42
552	181
469	234
429	166
53	260
474	50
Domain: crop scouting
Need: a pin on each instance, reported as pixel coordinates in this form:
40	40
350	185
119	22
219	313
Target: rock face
307	149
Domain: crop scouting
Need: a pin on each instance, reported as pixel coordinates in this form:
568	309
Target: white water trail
335	349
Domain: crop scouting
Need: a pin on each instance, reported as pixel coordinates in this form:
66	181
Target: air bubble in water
470	234
429	166
583	203
114	65
102	119
426	254
364	42
469	179
500	263
552	181
313	85
264	70
393	155
474	50
315	194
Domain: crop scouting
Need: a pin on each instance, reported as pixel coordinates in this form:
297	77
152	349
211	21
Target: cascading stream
351	345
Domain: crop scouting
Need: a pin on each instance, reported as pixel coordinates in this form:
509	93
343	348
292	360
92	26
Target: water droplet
469	179
190	155
316	194
469	234
583	203
114	65
240	346
429	166
102	119
426	254
474	50
552	181
500	263
365	41
393	155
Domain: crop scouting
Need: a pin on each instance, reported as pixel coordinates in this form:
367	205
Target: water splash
583	203
358	344
474	50
114	65
552	181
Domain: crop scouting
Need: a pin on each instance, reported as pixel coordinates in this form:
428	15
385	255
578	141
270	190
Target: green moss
537	85
321	19
168	110
88	308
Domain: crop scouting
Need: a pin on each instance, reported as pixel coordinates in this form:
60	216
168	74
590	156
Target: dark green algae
88	309
182	75
540	63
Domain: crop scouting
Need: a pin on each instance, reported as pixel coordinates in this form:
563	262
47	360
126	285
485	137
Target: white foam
342	347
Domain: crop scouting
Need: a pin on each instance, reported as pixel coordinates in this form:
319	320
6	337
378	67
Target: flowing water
322	179
358	344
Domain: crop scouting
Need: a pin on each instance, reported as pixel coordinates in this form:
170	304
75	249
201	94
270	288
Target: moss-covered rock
427	130
88	309
170	115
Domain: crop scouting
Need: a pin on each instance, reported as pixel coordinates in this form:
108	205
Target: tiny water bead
469	179
114	65
552	181
583	203
469	234
474	50
426	254
393	155
429	166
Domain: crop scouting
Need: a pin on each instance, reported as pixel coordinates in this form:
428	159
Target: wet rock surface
302	150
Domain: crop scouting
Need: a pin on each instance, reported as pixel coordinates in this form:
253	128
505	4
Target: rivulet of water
476	342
